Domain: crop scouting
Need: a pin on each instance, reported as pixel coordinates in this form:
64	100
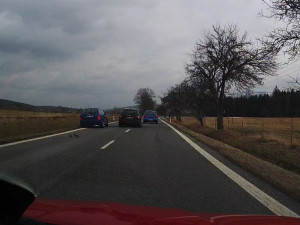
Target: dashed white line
127	130
108	144
269	202
43	137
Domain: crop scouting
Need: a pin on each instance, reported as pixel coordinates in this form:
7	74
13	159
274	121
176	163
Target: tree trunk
200	118
201	121
220	125
179	116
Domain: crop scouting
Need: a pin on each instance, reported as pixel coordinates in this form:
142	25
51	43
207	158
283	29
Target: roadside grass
267	128
270	141
19	125
285	180
113	117
19	113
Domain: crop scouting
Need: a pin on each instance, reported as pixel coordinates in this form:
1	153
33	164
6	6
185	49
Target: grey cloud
79	53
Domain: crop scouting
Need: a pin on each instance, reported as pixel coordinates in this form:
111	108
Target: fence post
216	123
242	128
228	122
291	131
262	129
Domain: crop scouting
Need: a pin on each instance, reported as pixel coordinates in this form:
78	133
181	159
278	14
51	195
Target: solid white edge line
43	137
269	202
127	130
108	144
39	138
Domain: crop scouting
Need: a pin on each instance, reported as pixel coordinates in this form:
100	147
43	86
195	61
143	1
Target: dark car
150	116
93	116
130	117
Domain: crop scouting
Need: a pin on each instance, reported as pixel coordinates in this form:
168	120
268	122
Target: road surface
150	166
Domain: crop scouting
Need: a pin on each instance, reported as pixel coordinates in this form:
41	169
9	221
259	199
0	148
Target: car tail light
99	117
80	118
156	116
139	117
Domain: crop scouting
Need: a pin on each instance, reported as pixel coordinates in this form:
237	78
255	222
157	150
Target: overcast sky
98	53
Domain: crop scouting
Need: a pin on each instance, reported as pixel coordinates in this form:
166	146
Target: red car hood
77	212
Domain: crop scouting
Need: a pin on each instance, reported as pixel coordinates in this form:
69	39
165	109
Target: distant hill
118	109
7	104
58	109
11	105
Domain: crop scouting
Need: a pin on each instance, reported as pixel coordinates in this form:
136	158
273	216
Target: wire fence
284	129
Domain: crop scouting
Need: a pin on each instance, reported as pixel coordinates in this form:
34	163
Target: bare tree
145	99
175	100
295	83
196	95
225	60
286	38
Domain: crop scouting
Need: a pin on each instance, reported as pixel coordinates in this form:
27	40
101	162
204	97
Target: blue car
93	116
150	116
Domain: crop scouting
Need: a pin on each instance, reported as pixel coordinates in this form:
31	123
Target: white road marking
43	137
127	130
39	138
269	202
108	144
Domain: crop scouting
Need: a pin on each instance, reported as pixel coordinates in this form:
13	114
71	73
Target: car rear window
150	113
129	112
90	111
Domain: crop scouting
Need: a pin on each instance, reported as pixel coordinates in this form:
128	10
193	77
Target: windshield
150	113
90	111
177	104
128	112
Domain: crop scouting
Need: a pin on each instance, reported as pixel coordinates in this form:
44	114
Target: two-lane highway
151	165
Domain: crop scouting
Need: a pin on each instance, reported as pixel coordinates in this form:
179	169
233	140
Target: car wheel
156	122
106	123
102	124
120	125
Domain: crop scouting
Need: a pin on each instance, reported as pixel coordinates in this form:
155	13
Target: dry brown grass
18	125
285	180
265	138
268	128
27	114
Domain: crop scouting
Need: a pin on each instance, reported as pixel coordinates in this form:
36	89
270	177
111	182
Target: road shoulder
241	163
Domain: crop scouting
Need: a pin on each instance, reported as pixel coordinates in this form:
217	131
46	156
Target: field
276	140
18	125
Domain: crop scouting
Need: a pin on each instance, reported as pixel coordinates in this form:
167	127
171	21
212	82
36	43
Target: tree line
222	61
225	60
284	103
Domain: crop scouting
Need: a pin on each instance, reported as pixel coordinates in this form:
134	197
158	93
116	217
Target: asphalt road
150	166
